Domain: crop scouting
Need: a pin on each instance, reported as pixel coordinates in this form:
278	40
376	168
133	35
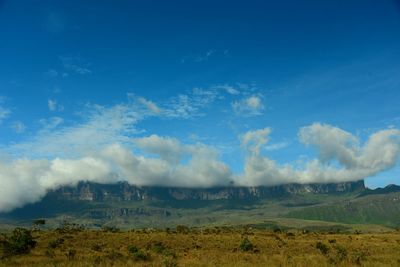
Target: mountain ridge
123	191
127	206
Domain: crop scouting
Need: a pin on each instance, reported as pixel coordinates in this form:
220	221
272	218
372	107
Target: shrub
97	247
71	254
170	262
322	247
182	229
110	229
20	242
39	222
69	228
160	248
246	245
138	254
55	243
49	253
342	252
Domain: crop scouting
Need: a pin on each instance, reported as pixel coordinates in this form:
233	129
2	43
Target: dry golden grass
210	248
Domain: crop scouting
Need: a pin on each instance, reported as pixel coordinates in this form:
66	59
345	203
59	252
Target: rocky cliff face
126	192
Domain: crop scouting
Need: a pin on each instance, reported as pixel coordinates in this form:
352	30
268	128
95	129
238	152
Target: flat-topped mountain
125	192
125	205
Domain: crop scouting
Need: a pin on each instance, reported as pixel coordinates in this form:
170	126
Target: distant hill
392	188
379	206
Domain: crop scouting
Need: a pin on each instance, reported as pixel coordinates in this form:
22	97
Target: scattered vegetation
55	243
215	246
182	229
38	223
19	242
322	247
110	229
138	254
246	245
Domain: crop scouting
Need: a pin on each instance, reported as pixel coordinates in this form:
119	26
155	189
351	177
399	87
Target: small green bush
39	222
160	248
138	254
97	247
246	245
322	247
110	229
170	262
71	254
55	243
182	229
342	252
20	242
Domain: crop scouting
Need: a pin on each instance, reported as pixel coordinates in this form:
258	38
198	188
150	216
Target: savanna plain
72	245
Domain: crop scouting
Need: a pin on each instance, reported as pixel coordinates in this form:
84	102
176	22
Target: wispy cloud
51	73
150	105
54	22
100	125
51	123
75	65
204	56
4	112
18	127
228	88
191	104
249	106
54	106
277	146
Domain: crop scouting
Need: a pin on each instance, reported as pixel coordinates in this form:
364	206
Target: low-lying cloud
340	157
101	151
26	181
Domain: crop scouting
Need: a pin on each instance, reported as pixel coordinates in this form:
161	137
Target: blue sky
78	76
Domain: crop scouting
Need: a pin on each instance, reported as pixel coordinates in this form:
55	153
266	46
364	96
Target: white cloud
54	106
51	123
26	181
227	88
250	106
168	149
277	146
254	140
76	65
100	126
51	73
150	105
4	113
102	148
381	152
18	127
204	57
192	104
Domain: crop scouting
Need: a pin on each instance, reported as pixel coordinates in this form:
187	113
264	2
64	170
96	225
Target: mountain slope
377	207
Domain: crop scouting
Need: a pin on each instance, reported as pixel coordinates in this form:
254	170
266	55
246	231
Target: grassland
217	246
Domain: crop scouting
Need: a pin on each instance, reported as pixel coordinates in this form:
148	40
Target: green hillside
381	209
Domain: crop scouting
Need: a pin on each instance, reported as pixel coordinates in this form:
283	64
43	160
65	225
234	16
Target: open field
219	246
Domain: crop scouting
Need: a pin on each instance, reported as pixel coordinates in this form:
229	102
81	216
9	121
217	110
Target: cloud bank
165	161
340	157
105	148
